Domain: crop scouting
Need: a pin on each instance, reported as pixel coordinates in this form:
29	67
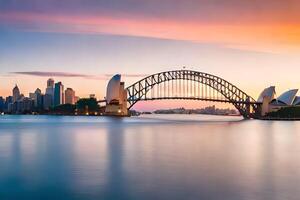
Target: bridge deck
197	98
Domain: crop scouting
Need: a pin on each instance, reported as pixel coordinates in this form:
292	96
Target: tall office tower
38	99
70	96
50	89
50	86
50	83
58	94
16	93
47	101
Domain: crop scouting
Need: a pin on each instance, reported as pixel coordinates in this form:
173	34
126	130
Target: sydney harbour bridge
178	84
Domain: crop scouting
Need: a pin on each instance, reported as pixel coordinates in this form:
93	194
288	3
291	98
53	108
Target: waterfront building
38	99
286	99
22	106
8	102
47	101
271	104
18	105
2	103
14	107
9	108
28	104
16	93
69	96
58	94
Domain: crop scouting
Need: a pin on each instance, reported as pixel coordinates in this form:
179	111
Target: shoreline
120	116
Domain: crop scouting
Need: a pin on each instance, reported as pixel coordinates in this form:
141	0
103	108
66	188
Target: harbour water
148	157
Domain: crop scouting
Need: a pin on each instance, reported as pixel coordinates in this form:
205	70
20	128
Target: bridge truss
191	85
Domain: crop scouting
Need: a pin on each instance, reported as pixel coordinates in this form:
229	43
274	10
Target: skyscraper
47	101
70	96
50	91
50	86
16	93
38	99
50	83
58	94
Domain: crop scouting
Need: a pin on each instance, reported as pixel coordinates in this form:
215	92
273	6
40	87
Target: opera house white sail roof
287	97
113	89
268	92
296	101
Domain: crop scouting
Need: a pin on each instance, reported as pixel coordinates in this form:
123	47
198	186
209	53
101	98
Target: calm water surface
148	157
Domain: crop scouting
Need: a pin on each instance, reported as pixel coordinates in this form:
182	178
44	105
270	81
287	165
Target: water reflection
90	161
155	157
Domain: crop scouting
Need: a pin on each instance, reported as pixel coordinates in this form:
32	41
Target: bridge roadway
200	99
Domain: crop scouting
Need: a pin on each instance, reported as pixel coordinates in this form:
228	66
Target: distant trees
64	109
84	106
286	112
87	106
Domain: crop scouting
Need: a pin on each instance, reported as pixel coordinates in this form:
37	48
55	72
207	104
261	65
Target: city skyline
142	106
252	44
39	101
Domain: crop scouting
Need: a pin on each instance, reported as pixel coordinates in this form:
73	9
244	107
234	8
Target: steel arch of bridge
244	103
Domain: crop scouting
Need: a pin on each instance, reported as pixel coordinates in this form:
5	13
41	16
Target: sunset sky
252	44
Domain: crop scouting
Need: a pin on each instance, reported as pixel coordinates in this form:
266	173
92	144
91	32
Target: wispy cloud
73	75
47	74
129	75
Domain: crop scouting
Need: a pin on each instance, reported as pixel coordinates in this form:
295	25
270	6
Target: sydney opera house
270	103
